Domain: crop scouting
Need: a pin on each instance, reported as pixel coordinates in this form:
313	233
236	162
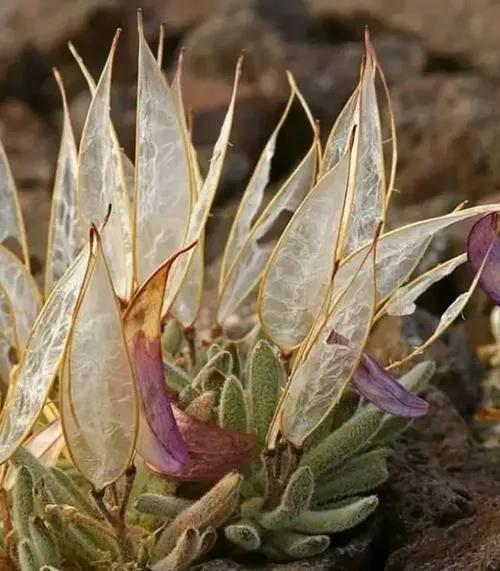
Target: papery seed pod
233	413
202	407
162	507
360	474
347	515
213	509
44	547
343	443
295	545
245	534
182	554
26	557
295	499
265	375
177	379
23	505
64	491
171	337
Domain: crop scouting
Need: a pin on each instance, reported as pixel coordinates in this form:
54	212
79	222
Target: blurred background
441	60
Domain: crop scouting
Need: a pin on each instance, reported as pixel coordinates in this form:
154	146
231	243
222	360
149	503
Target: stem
129	482
98	496
114	493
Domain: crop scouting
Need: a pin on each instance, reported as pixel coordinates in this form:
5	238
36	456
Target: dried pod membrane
98	394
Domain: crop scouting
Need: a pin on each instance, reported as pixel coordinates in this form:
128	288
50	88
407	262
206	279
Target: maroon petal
483	236
212	451
159	439
378	386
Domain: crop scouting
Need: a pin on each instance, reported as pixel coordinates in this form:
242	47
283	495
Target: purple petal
378	386
483	236
213	451
159	440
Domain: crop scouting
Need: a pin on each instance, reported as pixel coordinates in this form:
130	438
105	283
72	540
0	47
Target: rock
290	18
35	205
213	47
459	373
22	133
459	33
472	544
42	25
447	137
438	477
328	74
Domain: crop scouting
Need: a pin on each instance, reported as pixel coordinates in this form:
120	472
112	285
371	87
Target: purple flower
159	437
484	240
378	386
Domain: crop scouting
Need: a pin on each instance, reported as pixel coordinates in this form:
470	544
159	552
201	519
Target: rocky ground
440	510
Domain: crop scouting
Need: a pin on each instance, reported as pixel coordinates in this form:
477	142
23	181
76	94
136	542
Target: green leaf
203	407
27	561
265	375
211	510
162	507
342	412
187	395
171	337
245	534
232	408
342	444
44	548
232	348
23	457
295	499
23	504
177	379
63	490
297	545
182	554
362	473
349	514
